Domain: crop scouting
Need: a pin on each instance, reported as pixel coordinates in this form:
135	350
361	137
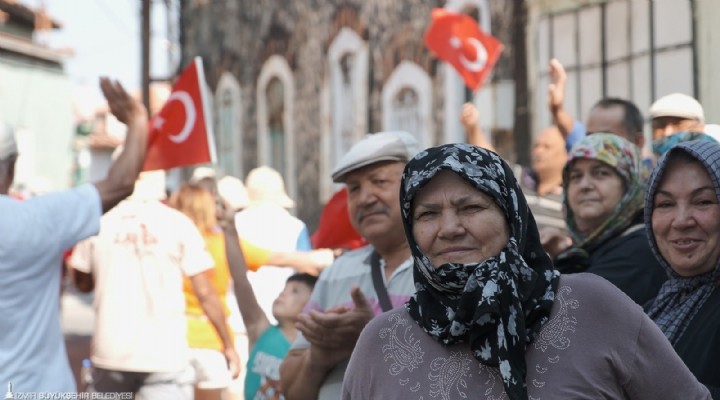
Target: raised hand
122	105
556	89
225	215
470	116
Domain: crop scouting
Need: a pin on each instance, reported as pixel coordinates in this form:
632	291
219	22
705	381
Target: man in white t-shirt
136	266
35	233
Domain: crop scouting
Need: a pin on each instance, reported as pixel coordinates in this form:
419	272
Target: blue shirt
34	234
578	132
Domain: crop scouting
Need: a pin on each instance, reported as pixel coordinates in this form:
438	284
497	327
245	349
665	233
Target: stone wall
239	36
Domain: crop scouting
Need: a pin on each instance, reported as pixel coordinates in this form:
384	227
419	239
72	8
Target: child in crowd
268	343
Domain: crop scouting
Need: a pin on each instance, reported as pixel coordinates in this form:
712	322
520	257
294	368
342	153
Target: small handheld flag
181	133
458	40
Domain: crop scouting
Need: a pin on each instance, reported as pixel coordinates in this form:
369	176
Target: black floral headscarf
498	305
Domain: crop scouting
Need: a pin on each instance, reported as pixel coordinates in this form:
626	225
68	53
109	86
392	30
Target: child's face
291	300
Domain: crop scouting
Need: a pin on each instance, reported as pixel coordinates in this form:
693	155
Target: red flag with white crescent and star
458	40
181	134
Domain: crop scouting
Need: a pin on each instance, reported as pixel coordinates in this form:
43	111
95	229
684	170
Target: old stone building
295	83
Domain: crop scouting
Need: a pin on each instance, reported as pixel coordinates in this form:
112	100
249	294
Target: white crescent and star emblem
190	115
480	59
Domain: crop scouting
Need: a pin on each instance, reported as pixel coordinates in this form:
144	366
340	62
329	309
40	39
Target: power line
111	15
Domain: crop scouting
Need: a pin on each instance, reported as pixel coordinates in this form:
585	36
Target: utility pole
172	68
522	134
145	40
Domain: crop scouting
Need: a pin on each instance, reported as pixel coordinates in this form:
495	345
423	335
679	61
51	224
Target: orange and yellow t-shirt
200	331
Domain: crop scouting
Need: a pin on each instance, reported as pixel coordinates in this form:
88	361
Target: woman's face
455	223
594	189
686	219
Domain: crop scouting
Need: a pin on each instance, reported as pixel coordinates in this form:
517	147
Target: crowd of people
445	272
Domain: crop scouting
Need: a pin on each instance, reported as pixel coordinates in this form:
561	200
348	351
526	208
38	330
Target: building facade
633	49
297	83
35	99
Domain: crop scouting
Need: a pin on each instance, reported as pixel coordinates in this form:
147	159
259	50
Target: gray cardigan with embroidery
597	344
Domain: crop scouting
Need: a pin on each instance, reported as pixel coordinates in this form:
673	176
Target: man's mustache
361	214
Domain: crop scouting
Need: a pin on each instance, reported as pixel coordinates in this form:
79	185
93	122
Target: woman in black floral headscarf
491	317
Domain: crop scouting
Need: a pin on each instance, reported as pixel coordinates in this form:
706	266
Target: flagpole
145	42
522	128
206	109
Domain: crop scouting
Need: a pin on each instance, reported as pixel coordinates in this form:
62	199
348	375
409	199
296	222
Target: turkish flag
181	133
458	40
335	231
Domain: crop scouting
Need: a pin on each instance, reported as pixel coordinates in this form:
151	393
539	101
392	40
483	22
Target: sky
105	38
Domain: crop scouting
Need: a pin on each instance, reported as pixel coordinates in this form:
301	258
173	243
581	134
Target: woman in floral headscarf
491	317
604	191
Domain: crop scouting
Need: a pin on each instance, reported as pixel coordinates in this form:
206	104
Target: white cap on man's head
677	105
201	173
266	185
8	146
376	147
233	191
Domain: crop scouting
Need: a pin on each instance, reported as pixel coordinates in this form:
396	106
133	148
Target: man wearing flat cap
676	112
345	297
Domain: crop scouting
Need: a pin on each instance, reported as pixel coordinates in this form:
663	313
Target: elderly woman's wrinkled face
686	218
594	189
455	223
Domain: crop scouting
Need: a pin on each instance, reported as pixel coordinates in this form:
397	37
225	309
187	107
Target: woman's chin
465	257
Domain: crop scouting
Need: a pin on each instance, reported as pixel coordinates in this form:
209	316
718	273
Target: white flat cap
374	148
677	105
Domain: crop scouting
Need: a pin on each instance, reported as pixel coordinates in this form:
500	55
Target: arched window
276	126
407	102
275	110
344	105
344	100
406	115
455	90
228	125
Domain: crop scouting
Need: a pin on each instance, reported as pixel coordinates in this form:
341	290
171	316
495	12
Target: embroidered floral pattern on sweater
554	336
553	333
493	383
448	374
401	347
